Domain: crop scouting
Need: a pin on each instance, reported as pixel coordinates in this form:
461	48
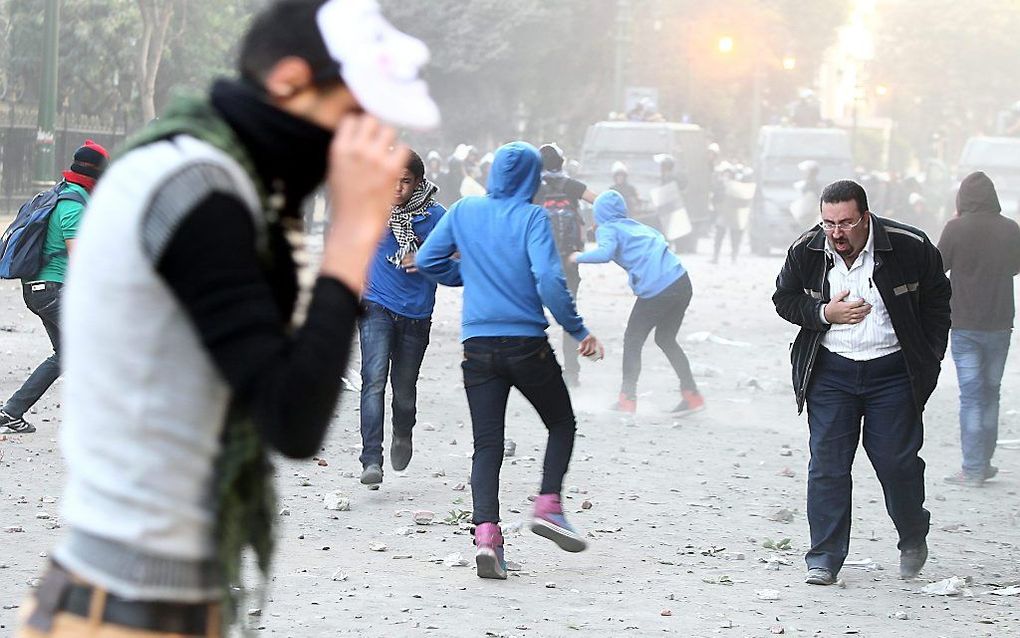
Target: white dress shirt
873	337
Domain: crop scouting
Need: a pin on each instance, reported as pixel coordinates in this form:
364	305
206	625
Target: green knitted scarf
243	491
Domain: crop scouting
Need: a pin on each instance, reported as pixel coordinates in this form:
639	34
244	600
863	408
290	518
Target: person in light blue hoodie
510	269
664	291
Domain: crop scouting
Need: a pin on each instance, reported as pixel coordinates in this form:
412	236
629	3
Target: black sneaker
991	472
912	560
400	452
371	475
820	576
14	425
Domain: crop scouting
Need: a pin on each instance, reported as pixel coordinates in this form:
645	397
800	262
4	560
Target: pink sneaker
548	521
489	556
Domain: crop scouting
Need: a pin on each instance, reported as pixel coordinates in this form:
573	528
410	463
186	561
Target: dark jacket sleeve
947	243
792	303
289	383
933	301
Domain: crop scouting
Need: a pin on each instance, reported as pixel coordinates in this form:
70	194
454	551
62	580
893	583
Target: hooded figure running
510	269
664	291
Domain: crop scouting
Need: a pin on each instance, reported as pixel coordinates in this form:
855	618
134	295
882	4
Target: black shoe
991	471
14	425
371	475
820	576
400	452
912	560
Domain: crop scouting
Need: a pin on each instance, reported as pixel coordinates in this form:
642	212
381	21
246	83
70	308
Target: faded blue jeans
980	358
392	346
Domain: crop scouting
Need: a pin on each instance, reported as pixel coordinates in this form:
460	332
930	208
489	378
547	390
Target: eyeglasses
828	226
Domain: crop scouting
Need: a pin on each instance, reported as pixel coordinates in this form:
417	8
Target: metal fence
17	147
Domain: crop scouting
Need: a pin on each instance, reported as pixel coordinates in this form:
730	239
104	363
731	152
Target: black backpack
565	219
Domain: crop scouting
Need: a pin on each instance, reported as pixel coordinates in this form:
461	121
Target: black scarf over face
289	153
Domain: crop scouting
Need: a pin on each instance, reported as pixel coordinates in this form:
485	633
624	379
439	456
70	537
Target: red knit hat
89	161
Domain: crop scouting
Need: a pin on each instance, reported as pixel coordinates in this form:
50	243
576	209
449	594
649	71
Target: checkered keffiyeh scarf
400	220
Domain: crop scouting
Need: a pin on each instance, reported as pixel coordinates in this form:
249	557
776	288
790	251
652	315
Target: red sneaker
625	404
692	402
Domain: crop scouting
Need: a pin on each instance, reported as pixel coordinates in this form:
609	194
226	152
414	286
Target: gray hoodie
981	250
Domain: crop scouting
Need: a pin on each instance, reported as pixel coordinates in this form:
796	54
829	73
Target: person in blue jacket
396	320
664	291
511	269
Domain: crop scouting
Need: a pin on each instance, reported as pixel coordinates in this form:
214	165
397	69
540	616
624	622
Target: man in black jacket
872	300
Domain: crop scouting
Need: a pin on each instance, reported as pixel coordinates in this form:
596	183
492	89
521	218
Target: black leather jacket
913	285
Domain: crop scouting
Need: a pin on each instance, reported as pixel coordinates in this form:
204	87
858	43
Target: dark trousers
391	345
841	393
571	365
493	365
663	313
43	299
735	236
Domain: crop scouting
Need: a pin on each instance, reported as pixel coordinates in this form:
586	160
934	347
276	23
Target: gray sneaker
400	452
372	474
820	576
964	479
14	425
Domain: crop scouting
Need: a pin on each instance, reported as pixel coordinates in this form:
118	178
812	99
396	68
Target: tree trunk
156	15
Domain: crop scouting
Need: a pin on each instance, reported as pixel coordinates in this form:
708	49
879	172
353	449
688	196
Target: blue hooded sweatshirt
392	287
640	250
508	258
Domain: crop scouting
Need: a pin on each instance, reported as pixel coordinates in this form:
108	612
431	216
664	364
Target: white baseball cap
378	63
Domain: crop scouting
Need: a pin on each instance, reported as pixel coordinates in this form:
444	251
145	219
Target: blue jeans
391	345
45	304
841	393
493	365
980	358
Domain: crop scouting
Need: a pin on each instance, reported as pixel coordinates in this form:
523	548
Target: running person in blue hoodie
511	269
664	291
396	320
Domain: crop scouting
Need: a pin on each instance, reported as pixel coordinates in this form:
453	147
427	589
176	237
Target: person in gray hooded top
981	250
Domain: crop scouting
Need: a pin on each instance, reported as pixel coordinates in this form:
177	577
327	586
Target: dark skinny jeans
663	313
493	365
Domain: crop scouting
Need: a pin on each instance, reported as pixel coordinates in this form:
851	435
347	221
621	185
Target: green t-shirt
64	223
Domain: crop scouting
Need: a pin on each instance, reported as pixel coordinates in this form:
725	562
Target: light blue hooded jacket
640	250
508	259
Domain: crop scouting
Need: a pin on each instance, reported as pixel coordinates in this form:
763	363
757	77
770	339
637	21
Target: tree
948	69
156	15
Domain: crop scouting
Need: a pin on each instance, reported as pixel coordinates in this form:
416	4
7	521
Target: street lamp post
623	20
44	135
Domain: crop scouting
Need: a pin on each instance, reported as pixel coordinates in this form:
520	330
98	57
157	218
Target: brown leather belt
59	593
159	617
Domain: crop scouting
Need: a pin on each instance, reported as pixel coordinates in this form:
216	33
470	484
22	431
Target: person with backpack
664	291
185	367
395	322
510	270
560	195
36	249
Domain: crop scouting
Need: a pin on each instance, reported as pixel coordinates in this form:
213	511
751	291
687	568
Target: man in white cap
182	365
